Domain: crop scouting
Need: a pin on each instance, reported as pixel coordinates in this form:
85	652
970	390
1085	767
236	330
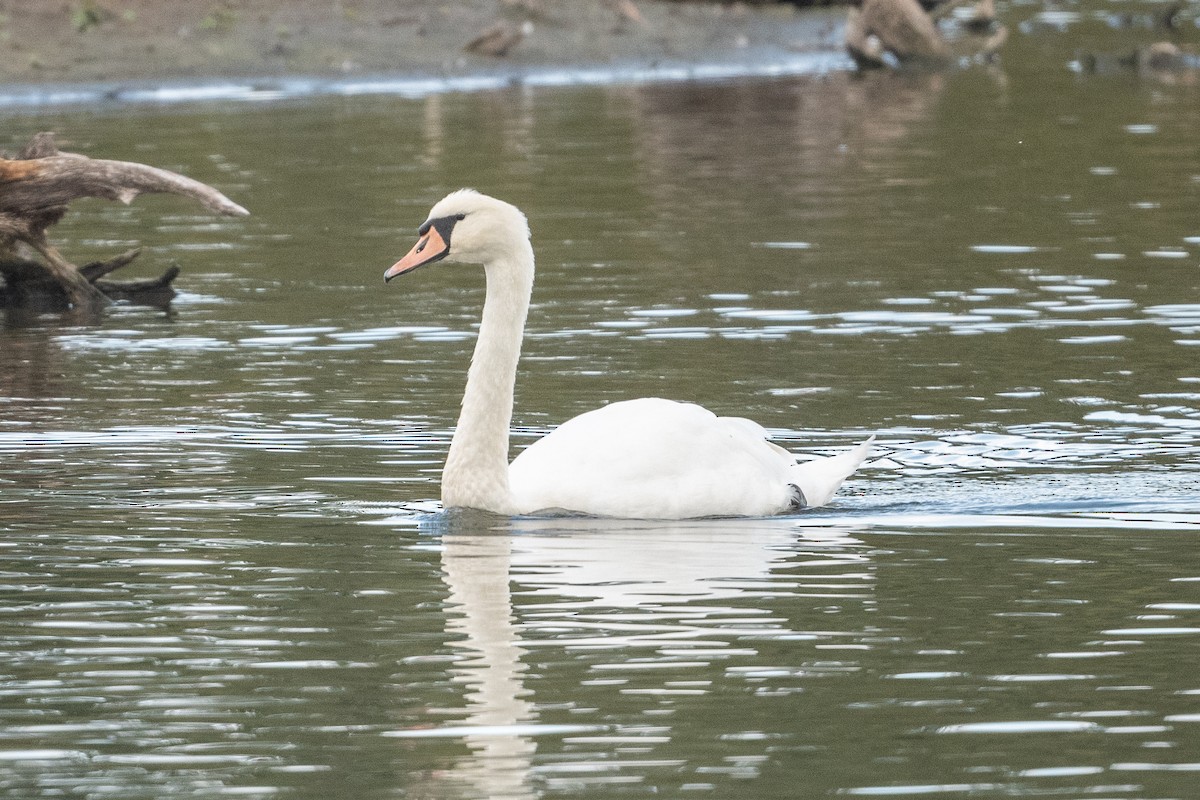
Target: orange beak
429	248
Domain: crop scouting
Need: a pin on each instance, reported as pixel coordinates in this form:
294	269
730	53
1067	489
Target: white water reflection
1038	301
664	598
476	571
268	90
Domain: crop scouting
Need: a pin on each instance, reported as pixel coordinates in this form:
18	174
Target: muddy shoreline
138	46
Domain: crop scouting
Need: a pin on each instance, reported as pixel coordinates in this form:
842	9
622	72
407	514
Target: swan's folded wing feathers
654	458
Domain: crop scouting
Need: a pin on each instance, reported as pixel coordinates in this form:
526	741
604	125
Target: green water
224	573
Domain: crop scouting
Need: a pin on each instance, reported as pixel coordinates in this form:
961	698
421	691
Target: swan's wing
819	479
653	458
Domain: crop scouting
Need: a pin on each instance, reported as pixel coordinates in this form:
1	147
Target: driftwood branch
50	181
98	269
35	190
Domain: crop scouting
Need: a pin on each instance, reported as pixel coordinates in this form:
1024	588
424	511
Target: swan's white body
653	458
648	458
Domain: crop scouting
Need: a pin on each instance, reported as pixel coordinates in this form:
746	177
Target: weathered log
148	291
35	190
50	181
98	269
27	285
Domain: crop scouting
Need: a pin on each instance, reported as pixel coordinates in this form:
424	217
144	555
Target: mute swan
647	459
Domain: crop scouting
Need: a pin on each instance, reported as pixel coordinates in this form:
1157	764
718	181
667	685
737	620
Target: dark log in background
36	188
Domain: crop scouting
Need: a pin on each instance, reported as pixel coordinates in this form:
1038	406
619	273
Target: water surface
225	568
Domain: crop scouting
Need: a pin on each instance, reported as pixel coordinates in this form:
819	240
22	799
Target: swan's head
468	227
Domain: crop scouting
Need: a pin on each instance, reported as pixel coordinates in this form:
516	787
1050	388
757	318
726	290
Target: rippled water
225	571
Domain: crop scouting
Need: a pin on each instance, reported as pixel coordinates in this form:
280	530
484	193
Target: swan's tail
820	478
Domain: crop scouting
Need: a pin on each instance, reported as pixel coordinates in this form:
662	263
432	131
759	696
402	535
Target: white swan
648	458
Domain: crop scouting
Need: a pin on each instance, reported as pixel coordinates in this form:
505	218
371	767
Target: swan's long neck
476	471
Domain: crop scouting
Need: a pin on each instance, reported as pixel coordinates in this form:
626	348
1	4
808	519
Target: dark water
223	571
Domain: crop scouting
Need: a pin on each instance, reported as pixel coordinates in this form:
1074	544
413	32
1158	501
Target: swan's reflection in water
626	599
476	570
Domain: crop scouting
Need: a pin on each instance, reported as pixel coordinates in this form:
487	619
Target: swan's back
653	458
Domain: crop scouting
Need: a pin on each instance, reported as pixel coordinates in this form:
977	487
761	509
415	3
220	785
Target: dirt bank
170	40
